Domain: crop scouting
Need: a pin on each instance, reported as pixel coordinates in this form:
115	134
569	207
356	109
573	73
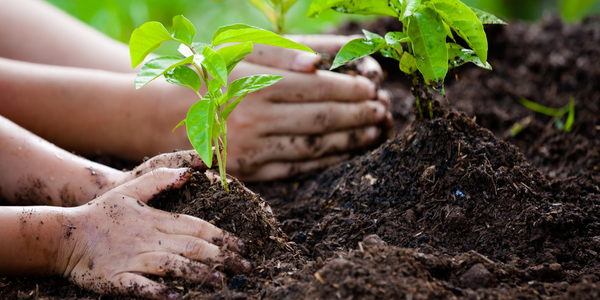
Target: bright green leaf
465	23
235	52
371	36
394	37
187	52
267	10
183	30
548	111
487	18
458	56
571	116
258	36
214	64
184	76
146	39
409	7
232	65
200	119
251	84
362	7
214	88
391	52
229	109
157	67
428	37
407	63
232	27
356	49
180	124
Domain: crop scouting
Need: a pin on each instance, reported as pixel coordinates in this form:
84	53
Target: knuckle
195	249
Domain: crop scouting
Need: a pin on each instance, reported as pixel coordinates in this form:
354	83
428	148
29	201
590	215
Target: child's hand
114	240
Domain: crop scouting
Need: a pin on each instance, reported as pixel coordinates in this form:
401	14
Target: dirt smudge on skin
32	191
67	197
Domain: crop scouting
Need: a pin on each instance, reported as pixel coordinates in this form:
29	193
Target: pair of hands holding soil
75	90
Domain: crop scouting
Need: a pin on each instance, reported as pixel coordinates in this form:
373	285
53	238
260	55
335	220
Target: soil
449	208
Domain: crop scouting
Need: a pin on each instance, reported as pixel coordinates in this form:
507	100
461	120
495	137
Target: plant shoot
206	120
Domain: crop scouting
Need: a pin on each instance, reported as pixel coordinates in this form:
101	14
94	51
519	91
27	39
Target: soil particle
32	191
476	277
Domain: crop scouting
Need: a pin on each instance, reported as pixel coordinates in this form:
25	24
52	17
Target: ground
450	208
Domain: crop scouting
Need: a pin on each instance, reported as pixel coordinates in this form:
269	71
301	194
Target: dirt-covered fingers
278	170
191	226
303	147
188	158
126	284
146	186
370	68
324	117
288	59
201	250
174	265
324	43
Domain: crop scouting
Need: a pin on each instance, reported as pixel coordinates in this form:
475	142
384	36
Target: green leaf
571	116
394	37
574	10
231	27
232	65
552	112
184	76
180	124
183	30
409	7
214	88
391	52
371	36
214	64
229	109
458	56
187	52
235	52
465	23
250	84
287	4
362	7
267	10
487	18
428	37
199	123
356	49
146	39
258	36
158	66
407	63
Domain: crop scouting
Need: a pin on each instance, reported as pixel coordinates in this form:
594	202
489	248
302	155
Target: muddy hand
179	159
117	238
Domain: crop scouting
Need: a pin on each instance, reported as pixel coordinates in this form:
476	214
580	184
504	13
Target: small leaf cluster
275	11
557	113
427	44
206	120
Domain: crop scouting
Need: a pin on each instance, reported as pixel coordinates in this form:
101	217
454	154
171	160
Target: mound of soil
450	208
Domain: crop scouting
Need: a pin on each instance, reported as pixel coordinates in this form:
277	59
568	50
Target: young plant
206	120
275	11
426	48
568	109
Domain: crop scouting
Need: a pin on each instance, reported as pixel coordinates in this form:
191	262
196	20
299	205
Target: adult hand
116	238
308	120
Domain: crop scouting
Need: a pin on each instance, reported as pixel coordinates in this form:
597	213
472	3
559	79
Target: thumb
146	186
287	59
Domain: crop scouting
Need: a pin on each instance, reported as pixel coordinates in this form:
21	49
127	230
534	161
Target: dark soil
452	208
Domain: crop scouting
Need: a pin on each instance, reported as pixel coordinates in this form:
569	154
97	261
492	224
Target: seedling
421	48
206	120
275	11
558	114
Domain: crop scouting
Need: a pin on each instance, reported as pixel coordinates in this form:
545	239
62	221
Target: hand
116	238
308	120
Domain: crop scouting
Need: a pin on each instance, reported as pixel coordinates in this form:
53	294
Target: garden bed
451	208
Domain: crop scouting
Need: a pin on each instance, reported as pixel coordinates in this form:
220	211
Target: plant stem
221	167
415	81
429	103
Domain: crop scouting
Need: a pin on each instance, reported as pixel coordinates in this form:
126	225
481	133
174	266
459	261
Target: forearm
88	111
31	239
35	172
41	33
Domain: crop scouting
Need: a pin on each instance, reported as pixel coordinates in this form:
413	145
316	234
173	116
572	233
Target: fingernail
305	61
241	247
372	133
184	172
380	112
173	295
216	279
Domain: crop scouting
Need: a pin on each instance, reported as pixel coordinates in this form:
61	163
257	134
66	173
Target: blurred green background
118	18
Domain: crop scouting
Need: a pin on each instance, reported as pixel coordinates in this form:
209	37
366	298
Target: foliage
568	109
275	11
421	48
206	120
574	10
